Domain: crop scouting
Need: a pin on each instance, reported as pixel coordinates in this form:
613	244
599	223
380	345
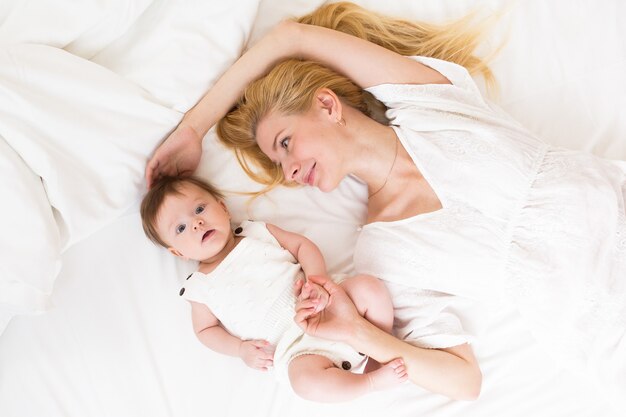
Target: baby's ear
223	204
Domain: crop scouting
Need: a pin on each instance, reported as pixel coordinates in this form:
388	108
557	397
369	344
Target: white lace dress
523	223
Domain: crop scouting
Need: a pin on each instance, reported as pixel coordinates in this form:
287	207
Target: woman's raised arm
180	153
349	55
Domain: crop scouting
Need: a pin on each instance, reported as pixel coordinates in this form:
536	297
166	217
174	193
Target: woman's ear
330	104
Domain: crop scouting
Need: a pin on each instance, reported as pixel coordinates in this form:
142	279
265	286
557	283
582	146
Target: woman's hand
313	292
336	321
181	151
257	354
178	155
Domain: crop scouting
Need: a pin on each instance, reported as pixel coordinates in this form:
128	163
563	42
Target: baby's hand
257	354
315	293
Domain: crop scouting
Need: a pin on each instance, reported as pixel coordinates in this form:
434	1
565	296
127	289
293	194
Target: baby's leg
316	378
372	301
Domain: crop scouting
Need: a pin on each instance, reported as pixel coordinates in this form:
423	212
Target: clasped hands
323	309
311	294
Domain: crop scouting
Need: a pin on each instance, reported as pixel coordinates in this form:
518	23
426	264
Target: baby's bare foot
388	375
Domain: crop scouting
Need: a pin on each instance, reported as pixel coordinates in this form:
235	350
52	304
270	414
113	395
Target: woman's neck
373	154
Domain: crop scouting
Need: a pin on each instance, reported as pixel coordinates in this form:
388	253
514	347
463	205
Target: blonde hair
455	41
154	198
290	87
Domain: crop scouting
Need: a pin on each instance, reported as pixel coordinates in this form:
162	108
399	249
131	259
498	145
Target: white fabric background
84	105
87	90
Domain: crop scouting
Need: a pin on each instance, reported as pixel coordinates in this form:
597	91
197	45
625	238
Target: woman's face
306	146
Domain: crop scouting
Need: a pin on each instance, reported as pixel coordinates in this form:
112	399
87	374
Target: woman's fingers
152	171
150	167
302	317
157	167
307	304
329	285
179	154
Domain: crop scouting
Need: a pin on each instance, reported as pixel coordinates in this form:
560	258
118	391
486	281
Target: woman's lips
208	234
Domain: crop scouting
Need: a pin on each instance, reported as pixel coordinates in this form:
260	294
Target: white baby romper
522	222
251	293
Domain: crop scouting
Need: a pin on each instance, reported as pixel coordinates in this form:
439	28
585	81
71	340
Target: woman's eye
200	209
180	228
285	142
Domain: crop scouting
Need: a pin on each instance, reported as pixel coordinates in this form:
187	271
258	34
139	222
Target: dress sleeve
455	73
461	95
426	318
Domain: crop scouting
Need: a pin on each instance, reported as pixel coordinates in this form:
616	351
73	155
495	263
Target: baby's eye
285	142
180	228
199	209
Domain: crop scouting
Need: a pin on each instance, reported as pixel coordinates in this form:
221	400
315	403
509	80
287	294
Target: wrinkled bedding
93	325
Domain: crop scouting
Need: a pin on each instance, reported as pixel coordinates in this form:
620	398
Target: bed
91	323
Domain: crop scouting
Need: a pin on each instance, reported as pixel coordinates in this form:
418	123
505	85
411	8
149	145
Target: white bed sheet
118	341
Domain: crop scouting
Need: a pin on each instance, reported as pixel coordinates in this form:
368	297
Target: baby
242	296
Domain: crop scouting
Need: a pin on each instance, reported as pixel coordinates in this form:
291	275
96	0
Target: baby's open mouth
207	234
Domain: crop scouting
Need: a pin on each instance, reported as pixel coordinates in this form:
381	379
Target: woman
462	200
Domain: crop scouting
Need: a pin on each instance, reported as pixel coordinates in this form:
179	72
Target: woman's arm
344	53
453	372
257	354
180	153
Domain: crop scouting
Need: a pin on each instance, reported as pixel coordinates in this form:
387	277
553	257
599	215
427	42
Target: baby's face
194	224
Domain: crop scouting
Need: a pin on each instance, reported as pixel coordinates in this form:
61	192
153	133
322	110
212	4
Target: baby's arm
311	261
257	354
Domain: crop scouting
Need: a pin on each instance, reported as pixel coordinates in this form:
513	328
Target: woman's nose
291	171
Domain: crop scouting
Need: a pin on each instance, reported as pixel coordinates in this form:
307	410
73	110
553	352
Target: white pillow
30	245
86	131
82	27
177	49
174	49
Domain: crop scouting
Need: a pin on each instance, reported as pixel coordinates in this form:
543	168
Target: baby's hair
153	200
